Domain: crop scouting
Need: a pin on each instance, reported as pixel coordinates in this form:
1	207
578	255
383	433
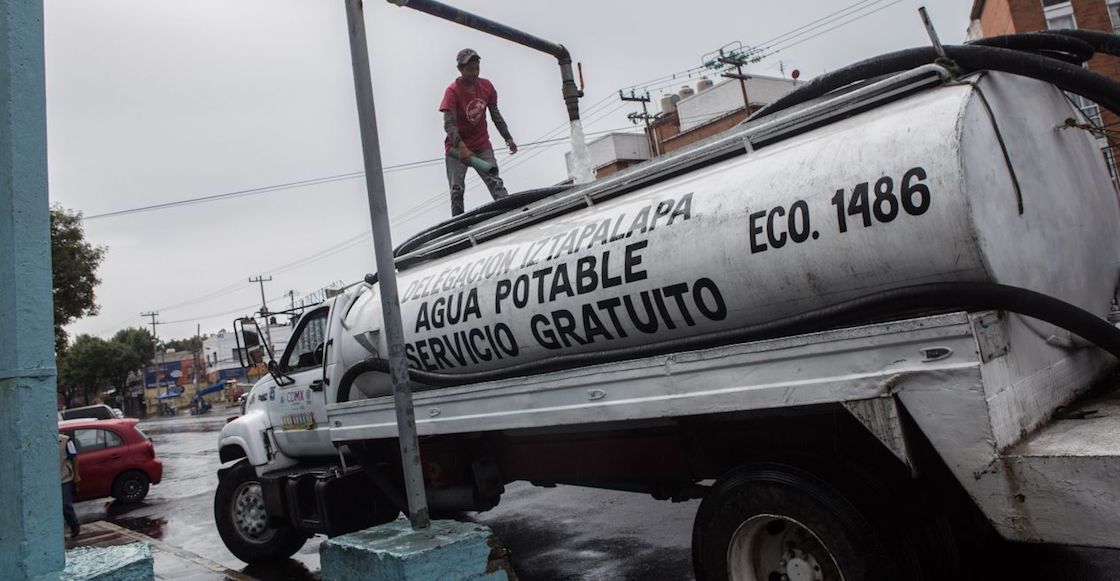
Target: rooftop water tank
668	105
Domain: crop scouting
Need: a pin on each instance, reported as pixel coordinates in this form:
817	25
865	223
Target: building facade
999	17
691	114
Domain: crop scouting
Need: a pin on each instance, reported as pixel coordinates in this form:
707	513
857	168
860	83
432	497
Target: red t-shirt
469	105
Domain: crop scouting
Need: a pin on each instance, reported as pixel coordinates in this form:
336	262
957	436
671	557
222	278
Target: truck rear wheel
243	524
771	522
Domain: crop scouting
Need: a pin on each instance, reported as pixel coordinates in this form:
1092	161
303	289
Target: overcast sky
155	101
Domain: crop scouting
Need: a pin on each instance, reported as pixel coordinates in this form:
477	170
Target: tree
74	263
92	364
139	342
84	365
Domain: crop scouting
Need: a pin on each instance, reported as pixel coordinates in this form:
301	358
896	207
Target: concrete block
447	551
121	563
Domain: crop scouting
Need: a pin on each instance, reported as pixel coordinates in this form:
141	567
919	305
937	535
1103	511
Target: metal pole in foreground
386	270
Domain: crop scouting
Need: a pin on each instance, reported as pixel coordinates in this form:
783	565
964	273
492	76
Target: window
91	439
1059	16
304	348
1049	3
1089	109
1114	14
1110	161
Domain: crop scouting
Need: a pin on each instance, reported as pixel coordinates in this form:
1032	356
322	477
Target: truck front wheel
768	521
243	524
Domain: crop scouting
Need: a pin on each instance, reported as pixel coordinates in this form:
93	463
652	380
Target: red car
114	459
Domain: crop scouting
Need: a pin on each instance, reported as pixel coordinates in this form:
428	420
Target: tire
242	522
130	487
762	521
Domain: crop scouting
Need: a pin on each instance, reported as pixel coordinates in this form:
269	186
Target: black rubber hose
1077	50
1102	42
911	300
1095	87
476	215
361	368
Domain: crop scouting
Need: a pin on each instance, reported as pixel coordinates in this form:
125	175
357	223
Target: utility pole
155	343
386	271
197	351
155	347
654	147
264	308
153	315
737	60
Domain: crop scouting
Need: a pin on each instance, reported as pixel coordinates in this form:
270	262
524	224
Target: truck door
298	411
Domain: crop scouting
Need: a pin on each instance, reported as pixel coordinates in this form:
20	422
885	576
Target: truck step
1070	467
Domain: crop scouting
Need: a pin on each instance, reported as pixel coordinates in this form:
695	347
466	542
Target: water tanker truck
870	328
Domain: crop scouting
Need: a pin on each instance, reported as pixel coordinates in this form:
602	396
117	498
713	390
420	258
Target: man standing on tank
464	120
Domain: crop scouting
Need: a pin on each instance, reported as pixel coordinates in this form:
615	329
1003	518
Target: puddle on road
153	527
196	425
289	570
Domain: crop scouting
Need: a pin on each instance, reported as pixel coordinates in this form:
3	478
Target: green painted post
31	542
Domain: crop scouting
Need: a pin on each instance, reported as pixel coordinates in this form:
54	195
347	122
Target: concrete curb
121	563
448	550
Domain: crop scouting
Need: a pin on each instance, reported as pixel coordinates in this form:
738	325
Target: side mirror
251	350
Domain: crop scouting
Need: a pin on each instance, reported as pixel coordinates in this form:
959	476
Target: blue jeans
68	512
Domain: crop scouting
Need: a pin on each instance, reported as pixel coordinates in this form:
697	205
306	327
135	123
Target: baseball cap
465	56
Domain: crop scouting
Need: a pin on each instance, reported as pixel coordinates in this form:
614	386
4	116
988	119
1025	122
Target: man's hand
465	154
512	146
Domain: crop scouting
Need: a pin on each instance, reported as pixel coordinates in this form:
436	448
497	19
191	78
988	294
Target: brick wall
1093	15
1011	16
716	127
1015	16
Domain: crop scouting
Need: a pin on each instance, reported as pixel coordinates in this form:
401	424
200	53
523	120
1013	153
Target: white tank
686	92
916	191
704	84
668	105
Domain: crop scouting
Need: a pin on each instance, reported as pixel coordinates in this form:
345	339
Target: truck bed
803	370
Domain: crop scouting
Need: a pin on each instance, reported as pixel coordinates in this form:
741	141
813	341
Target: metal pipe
440	10
386	270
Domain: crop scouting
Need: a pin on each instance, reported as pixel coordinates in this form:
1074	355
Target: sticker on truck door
296	409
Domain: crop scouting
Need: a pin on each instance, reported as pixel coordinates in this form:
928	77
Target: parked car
98	412
114	459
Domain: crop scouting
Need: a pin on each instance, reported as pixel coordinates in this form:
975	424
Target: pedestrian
68	461
464	107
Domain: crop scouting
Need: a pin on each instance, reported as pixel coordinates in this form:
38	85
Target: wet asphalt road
563	533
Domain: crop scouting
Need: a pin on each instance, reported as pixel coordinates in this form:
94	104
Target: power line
786	37
285	186
827	17
361	237
827	30
545	141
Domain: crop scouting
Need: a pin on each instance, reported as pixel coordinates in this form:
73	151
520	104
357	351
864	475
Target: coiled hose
474	216
880	306
1028	55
